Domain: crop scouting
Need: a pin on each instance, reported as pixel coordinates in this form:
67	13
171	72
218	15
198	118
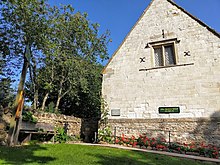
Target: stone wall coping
164	120
43	115
59	120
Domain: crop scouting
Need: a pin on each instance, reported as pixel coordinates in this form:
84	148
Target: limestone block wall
85	128
183	130
194	85
72	123
4	122
3	133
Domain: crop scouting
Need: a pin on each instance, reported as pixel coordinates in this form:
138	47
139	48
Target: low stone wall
84	128
4	121
70	123
180	130
3	133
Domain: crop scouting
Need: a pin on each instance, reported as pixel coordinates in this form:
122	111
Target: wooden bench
28	130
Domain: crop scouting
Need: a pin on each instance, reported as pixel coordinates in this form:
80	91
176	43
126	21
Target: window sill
169	66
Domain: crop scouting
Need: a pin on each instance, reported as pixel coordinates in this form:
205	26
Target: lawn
64	154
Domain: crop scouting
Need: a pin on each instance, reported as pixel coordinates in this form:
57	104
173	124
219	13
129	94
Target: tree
62	40
87	102
23	28
77	40
74	40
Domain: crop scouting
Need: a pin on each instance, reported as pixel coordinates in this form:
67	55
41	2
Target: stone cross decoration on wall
187	53
142	59
163	34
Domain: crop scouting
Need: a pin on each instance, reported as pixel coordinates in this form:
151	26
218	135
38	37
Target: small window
164	55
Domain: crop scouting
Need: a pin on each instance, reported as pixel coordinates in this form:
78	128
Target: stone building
165	76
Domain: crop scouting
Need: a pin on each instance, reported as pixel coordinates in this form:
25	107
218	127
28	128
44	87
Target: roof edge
103	71
195	18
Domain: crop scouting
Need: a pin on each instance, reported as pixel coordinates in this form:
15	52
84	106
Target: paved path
217	161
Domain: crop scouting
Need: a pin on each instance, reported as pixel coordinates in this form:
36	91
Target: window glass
169	55
158	57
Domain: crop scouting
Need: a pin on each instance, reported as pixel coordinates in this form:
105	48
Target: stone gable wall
195	87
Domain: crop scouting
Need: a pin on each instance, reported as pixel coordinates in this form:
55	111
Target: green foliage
28	116
71	57
61	135
85	102
6	93
76	138
104	113
50	108
105	135
104	132
63	50
33	142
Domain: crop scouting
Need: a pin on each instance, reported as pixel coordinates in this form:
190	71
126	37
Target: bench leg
28	138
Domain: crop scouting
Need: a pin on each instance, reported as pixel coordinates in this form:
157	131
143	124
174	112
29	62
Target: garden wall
70	123
3	133
4	121
181	130
85	128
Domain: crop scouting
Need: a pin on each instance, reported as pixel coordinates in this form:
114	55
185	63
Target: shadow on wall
88	129
208	130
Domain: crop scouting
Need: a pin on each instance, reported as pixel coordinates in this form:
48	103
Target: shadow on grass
140	158
23	154
104	159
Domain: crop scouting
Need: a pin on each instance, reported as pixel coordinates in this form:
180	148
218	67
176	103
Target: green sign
169	109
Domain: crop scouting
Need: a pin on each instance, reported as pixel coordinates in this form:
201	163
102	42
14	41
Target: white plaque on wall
115	112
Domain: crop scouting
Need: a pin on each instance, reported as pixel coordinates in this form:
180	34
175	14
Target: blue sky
119	16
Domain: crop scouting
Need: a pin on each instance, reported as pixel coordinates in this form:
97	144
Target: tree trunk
59	93
35	85
12	137
57	104
44	101
36	99
59	96
47	94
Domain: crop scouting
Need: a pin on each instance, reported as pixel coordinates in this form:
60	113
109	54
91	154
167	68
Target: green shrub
105	135
61	135
50	108
28	116
33	142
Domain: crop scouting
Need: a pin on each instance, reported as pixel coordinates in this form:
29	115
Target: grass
69	154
